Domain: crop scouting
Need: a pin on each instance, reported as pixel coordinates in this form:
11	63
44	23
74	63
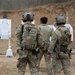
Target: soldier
59	47
45	32
26	45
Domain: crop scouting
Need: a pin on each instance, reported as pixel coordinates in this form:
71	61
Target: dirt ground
8	65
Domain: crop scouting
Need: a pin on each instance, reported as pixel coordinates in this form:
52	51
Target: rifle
69	52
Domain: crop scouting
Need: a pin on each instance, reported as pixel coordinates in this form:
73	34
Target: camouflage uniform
58	62
46	33
25	56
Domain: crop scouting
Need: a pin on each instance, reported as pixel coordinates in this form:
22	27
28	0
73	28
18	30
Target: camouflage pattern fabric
25	56
58	62
48	62
22	63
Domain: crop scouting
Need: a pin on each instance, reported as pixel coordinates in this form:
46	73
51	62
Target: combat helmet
28	16
60	19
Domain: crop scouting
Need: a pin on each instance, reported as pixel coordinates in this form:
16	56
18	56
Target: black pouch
63	48
35	52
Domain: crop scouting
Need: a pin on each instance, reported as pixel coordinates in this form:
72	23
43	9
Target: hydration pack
65	39
29	37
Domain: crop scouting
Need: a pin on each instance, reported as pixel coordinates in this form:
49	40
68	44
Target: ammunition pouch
61	51
63	48
64	55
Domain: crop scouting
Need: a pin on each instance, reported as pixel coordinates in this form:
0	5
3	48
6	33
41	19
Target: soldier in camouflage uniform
58	50
25	55
45	32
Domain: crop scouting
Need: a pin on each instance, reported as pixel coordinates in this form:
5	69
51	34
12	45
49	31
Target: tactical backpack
29	37
65	39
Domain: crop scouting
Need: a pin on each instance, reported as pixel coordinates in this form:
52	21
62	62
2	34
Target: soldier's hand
18	50
49	56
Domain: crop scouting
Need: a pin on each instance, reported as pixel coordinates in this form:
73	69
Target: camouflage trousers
58	63
48	62
24	58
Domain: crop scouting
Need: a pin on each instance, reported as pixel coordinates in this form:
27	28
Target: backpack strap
22	28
